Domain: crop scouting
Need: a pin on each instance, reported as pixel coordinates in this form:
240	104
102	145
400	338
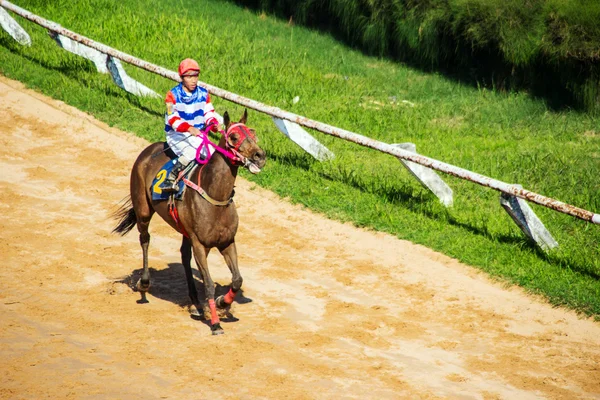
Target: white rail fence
108	60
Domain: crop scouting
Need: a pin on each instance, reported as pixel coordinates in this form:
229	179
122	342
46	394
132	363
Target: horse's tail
125	214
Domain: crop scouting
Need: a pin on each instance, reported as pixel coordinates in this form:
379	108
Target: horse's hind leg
143	284
186	258
230	255
144	213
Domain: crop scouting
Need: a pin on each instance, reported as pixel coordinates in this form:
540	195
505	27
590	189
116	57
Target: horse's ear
226	120
244	117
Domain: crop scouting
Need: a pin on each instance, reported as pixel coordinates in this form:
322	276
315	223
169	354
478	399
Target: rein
231	152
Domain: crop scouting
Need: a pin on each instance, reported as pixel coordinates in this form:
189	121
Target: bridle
231	151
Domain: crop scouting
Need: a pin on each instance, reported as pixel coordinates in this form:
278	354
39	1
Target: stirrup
173	187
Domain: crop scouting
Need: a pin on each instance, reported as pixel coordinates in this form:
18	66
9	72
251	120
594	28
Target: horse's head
242	141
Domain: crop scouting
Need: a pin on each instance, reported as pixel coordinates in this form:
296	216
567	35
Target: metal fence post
13	28
529	223
303	139
427	177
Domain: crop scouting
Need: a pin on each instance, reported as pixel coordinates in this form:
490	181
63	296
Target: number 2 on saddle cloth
159	194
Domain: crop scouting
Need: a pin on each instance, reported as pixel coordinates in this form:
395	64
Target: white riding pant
185	145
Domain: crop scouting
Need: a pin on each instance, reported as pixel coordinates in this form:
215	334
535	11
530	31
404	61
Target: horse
206	217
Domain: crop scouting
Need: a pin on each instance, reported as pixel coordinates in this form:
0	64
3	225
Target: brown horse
207	217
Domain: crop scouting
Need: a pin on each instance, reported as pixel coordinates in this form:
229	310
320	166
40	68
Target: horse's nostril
259	155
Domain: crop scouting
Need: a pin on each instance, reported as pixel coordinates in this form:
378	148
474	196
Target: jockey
189	111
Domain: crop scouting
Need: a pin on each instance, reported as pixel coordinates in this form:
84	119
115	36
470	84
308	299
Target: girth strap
175	215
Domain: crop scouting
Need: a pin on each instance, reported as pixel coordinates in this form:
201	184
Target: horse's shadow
170	284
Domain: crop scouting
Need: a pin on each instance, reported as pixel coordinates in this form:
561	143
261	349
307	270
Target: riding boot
170	185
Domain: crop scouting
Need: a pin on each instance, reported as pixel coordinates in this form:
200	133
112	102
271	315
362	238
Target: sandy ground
335	311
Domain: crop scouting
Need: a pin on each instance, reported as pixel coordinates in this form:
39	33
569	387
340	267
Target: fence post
522	214
125	82
427	177
82	50
13	28
303	139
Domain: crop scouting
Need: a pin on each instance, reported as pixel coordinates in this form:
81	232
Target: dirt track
336	312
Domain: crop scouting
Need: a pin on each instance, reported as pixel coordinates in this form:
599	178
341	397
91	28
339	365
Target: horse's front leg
200	254
230	255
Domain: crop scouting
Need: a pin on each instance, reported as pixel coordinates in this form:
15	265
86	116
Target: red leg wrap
214	318
229	296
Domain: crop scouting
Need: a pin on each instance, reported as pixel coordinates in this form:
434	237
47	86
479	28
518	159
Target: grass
507	136
547	47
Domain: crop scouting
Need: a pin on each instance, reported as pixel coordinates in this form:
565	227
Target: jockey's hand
213	124
194	131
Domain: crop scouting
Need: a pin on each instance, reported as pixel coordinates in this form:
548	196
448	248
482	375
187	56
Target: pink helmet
188	65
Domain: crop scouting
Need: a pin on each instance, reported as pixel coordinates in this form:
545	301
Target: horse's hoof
220	302
143	286
216	329
195	313
194	310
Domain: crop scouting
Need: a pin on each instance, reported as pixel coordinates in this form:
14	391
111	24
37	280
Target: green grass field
508	136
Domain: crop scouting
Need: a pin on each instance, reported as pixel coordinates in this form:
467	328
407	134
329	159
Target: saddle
157	193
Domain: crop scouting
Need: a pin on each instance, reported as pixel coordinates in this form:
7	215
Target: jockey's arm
173	118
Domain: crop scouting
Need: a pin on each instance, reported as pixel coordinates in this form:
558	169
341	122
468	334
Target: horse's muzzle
257	162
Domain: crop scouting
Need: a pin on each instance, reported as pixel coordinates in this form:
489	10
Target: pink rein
234	155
